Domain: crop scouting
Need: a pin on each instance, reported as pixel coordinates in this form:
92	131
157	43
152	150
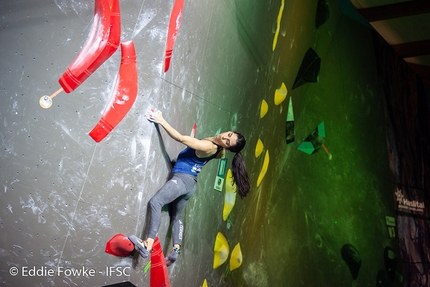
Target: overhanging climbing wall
64	195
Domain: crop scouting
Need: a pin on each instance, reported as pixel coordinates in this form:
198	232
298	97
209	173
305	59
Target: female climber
183	182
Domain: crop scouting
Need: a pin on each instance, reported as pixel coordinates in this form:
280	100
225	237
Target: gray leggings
176	192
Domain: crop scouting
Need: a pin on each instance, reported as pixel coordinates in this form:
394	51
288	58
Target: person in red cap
178	190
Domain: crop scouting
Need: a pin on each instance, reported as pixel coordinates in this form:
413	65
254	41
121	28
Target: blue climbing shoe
172	257
140	245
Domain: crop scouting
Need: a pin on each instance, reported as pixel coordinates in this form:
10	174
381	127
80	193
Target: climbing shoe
172	257
140	245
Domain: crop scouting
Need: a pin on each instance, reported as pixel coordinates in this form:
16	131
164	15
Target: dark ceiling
405	25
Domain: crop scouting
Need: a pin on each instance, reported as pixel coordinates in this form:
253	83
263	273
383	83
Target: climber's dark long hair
238	168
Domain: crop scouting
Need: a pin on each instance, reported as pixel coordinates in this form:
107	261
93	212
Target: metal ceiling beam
412	49
395	10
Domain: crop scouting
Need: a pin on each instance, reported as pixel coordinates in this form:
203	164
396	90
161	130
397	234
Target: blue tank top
187	161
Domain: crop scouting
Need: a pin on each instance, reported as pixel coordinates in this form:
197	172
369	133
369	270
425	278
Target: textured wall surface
64	196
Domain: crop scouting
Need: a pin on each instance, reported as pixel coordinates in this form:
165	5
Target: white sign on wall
406	204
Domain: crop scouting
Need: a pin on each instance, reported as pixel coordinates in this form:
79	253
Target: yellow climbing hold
205	283
230	195
278	26
221	250
259	148
236	257
264	168
280	94
263	109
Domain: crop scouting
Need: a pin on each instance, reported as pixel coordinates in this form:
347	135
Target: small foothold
45	102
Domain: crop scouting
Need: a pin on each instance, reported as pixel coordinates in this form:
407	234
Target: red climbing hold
102	42
159	276
175	22
122	97
119	245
